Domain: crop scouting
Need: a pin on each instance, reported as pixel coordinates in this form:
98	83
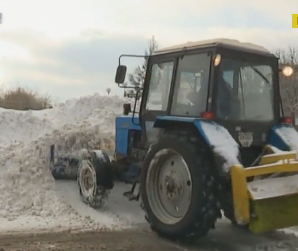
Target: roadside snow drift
28	191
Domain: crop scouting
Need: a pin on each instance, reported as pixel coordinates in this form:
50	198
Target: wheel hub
87	179
173	186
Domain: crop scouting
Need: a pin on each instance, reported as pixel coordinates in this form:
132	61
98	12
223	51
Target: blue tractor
209	136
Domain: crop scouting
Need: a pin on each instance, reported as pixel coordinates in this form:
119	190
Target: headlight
217	60
287	71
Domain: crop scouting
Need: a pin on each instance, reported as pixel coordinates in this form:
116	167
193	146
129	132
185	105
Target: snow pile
27	187
16	126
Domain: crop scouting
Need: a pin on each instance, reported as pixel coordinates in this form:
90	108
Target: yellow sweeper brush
270	201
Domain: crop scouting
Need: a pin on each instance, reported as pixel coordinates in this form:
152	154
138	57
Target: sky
70	48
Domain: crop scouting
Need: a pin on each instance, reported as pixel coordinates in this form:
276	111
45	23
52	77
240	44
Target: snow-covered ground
29	196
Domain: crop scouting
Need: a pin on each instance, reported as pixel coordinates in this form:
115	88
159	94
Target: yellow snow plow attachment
268	202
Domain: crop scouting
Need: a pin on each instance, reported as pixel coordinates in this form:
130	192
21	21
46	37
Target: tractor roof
231	43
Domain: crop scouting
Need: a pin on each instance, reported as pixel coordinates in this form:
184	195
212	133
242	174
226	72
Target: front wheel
178	187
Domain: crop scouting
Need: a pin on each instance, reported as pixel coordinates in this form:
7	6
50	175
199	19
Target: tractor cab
232	83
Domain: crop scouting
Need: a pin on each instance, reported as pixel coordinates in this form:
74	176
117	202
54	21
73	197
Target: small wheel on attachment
95	178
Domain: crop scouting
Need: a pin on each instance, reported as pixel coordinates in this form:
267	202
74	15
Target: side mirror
120	74
126	109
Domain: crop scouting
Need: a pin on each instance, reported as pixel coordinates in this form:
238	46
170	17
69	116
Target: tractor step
130	196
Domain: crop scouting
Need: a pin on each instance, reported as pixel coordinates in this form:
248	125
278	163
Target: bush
22	99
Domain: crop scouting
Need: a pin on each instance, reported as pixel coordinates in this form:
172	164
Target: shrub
23	99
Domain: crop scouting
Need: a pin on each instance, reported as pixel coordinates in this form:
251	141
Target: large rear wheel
178	187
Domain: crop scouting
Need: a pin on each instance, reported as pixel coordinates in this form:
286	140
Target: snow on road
29	197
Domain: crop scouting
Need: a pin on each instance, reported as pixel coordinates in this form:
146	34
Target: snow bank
28	190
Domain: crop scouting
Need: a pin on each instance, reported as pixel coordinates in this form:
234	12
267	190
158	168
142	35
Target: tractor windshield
245	91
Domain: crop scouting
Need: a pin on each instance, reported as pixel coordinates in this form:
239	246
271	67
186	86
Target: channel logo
294	20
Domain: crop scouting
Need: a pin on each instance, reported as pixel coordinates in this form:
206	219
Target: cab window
245	91
191	85
159	86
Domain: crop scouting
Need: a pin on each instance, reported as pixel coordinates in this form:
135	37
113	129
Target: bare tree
289	85
108	91
138	76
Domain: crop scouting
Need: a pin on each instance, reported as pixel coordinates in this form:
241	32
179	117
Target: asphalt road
225	237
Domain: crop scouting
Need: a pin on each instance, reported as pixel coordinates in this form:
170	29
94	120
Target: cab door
156	94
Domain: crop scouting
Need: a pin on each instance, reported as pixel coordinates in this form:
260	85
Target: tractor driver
225	95
225	98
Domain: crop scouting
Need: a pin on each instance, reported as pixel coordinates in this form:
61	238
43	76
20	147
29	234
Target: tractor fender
284	137
220	141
